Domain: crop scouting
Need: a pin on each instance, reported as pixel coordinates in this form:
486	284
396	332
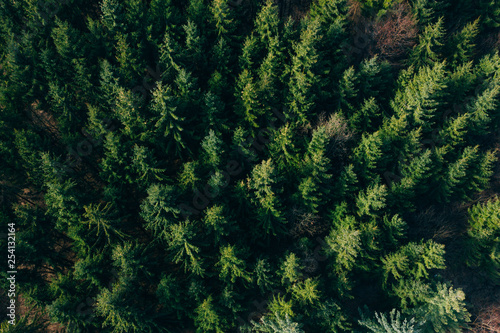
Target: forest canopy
251	165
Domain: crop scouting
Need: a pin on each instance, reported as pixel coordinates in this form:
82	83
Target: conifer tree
428	49
470	172
371	200
207	319
248	105
101	218
303	76
267	22
212	146
222	17
428	11
112	15
283	150
306	292
167	119
180	244
290	270
422	96
490	12
392	324
128	112
276	324
145	166
128	65
249	52
195	46
367	154
170	294
411	262
444	310
218	223
230	266
133	315
113	166
462	44
481	109
263	275
271	219
281	307
483	243
159	210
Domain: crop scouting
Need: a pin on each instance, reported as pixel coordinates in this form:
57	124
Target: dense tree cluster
223	166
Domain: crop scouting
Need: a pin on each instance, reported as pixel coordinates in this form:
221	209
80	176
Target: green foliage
263	275
167	120
276	324
212	146
414	260
444	310
222	17
483	242
207	319
192	165
344	244
230	266
427	51
393	324
303	77
306	292
372	200
490	12
462	44
180	244
290	269
158	210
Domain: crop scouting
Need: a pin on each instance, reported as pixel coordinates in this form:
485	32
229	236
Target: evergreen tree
428	49
216	221
231	267
290	270
267	22
306	292
263	275
222	17
167	120
395	324
303	76
159	210
371	201
101	218
490	12
277	324
248	105
261	182
207	319
170	294
482	242
180	244
444	310
212	146
462	44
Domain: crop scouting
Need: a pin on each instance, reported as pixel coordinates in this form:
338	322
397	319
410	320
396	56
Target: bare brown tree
394	34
